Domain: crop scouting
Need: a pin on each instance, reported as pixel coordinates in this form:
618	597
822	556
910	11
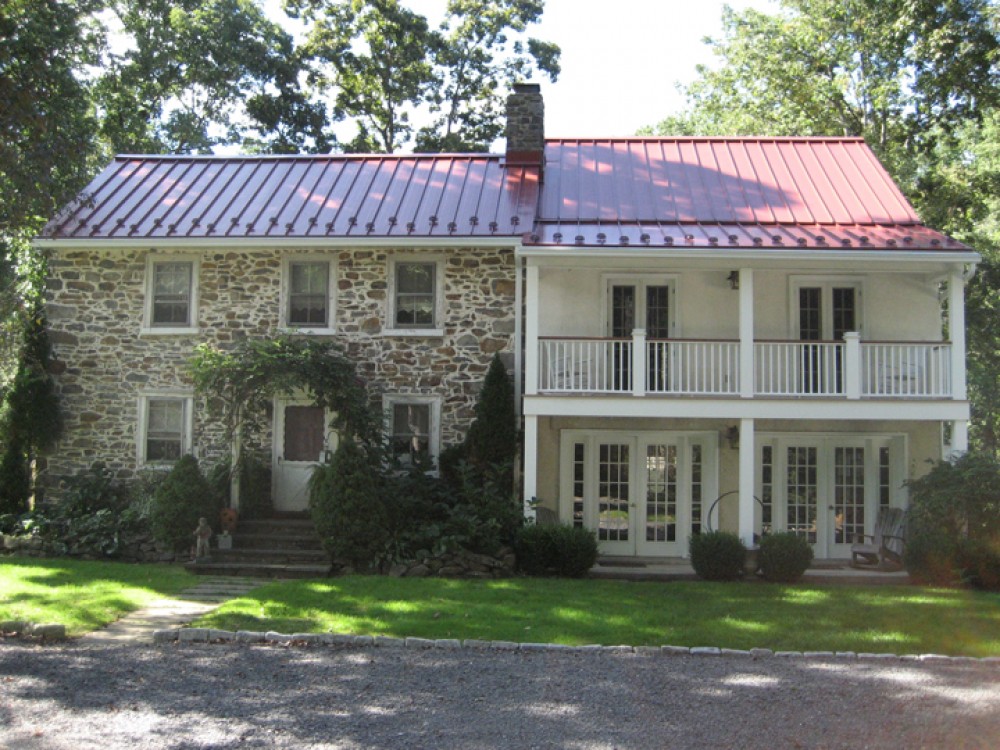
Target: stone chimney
525	125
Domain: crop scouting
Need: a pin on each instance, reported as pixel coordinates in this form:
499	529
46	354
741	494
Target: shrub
931	556
717	555
183	497
566	551
953	524
784	557
15	479
979	564
347	507
492	437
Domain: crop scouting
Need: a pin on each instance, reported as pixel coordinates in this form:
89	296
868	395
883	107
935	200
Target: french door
642	493
825	313
637	304
828	490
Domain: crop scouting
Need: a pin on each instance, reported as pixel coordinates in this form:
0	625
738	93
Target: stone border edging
209	635
26	629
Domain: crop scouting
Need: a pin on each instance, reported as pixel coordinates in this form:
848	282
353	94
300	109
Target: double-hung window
413	426
416	296
164	428
308	294
171	294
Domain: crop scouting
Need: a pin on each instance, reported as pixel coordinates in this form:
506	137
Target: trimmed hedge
560	550
717	555
784	557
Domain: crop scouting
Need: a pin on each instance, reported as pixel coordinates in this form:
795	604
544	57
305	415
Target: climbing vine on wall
241	383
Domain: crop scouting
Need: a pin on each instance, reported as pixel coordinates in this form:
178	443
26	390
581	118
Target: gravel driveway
240	696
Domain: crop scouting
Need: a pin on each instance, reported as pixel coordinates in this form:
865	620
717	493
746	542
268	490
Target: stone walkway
139	626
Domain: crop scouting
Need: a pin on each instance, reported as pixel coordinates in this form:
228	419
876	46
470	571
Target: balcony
849	369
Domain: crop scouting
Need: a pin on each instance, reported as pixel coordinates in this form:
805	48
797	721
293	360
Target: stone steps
269	548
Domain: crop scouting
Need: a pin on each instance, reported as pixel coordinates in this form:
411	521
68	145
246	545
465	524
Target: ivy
240	384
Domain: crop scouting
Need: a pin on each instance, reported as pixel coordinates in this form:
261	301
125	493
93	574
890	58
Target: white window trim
285	294
391	400
642	281
439	308
143	423
826	283
147	312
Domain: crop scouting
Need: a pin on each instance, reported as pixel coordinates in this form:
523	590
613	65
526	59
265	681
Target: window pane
171	293
415	278
411	431
304	431
164	429
308	293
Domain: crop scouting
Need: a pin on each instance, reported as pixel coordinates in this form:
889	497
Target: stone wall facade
104	362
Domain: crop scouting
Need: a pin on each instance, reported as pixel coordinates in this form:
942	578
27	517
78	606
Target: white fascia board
209	243
794	409
762	256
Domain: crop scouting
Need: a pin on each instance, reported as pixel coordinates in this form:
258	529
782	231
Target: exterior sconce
734	279
733	437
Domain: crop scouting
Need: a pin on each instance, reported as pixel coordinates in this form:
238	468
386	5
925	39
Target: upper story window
646	303
308	294
824	309
171	294
416	296
164	428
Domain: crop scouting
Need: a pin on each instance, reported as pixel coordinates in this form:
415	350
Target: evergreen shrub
183	497
784	557
717	555
347	507
558	549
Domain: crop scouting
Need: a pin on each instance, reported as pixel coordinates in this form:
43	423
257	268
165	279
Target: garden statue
202	534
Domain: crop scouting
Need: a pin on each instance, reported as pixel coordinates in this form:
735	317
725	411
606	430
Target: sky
621	59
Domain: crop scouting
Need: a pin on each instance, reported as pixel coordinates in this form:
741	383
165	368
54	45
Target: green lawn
801	617
82	595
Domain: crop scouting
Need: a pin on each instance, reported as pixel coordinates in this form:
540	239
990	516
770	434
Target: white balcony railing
817	369
903	370
693	367
799	368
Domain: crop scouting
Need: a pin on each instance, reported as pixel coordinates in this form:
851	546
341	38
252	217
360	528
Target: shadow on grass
611	612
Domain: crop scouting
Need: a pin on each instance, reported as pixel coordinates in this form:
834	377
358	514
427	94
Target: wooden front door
302	439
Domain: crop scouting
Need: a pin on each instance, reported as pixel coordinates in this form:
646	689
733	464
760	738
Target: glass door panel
613	497
801	492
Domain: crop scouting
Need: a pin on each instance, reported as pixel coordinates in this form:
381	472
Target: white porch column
531	315
746	333
639	362
747	455
852	365
959	438
530	464
518	340
956	329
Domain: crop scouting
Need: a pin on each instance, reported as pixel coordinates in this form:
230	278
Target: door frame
278	464
638	441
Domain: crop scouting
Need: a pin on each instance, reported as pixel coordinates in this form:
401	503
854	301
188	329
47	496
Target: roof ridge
712	138
301	157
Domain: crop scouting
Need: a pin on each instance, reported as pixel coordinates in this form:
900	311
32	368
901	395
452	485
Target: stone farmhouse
742	333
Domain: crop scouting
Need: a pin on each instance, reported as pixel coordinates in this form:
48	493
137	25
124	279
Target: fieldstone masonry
103	362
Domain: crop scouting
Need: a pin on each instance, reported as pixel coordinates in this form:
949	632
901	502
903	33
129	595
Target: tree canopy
920	81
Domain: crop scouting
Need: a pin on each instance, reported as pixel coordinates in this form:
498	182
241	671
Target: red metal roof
748	192
724	192
163	197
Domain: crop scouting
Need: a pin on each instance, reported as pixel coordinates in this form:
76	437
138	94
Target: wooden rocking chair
885	550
